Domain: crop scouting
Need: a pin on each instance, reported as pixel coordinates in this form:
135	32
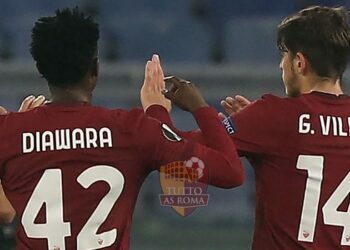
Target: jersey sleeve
252	130
161	114
159	145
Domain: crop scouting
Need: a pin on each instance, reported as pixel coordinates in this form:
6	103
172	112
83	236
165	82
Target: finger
230	100
221	116
3	111
155	74
168	78
160	67
173	98
26	103
173	88
148	77
176	81
242	99
227	107
173	78
169	95
235	105
225	104
38	102
161	82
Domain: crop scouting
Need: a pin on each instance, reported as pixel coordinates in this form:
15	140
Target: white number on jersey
314	166
49	192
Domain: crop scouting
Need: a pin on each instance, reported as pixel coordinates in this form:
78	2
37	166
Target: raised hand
153	85
184	94
235	104
31	102
27	104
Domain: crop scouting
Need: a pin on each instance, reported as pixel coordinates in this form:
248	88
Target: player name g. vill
328	125
65	139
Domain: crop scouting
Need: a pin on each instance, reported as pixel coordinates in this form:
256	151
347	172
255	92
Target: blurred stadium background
227	47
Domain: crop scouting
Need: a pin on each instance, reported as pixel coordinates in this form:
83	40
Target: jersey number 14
314	166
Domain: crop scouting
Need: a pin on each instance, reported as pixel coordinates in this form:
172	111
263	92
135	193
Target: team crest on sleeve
169	134
229	126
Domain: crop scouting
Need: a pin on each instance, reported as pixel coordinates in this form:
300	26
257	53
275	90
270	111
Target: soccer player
299	147
72	170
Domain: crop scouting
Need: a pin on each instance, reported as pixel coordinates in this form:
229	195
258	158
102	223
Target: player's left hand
233	105
184	94
151	91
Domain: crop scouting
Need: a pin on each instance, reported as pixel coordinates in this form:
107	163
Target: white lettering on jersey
325	124
304	124
329	125
334	125
65	139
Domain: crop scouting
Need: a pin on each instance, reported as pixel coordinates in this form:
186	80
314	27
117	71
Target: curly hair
64	46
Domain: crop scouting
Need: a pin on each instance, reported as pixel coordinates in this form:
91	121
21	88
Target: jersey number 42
49	191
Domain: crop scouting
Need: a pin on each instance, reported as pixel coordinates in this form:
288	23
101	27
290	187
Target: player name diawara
65	139
328	125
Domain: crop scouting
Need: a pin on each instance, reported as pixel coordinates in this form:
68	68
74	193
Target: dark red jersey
300	151
73	173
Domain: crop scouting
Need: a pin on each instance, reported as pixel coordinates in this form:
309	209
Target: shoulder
128	116
270	112
131	120
267	104
272	105
272	100
13	118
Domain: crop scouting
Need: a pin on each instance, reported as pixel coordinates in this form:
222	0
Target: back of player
73	172
301	160
78	170
299	146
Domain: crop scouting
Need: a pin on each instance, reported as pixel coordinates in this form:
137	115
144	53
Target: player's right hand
27	104
184	94
232	105
151	91
31	102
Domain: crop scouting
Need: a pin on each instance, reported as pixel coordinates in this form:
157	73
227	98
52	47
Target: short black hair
64	46
322	35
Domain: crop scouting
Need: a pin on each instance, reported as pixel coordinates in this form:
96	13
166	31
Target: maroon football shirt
300	151
73	173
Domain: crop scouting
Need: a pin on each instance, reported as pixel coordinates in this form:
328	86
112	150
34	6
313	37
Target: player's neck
325	85
70	95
